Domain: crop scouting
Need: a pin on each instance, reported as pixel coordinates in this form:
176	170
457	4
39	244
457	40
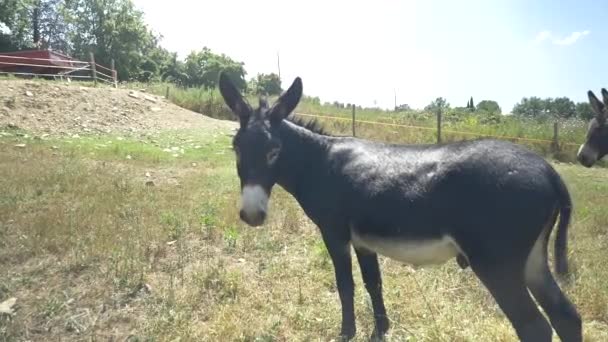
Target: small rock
148	175
54	147
29	93
174	148
146	288
194	164
166	150
241	260
8	306
75	136
83	89
171	242
197	147
150	98
20	145
129	157
175	155
133	95
155	109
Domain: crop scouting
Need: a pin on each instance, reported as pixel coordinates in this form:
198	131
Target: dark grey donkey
491	204
596	143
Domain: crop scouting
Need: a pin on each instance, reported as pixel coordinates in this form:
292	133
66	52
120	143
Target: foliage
438	104
266	84
489	106
203	68
403	108
532	107
113	29
584	111
16	16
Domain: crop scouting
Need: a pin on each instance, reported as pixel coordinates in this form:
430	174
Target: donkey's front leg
370	270
339	250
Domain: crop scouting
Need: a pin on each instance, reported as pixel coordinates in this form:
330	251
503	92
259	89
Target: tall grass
407	127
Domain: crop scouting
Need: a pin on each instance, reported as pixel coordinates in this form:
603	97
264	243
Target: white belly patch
416	253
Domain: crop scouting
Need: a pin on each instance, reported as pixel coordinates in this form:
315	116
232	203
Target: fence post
114	78
439	125
167	93
555	137
353	119
93	69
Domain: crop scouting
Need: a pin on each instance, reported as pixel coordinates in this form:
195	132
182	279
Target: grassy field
116	238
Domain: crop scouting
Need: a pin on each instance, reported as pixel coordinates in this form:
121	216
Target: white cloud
571	39
567	40
542	35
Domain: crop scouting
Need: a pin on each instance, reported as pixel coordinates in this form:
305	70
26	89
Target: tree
562	107
472	104
403	108
533	107
16	16
111	29
267	84
203	69
489	106
33	24
438	103
53	28
584	111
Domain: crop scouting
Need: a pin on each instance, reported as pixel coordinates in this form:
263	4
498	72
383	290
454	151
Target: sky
365	52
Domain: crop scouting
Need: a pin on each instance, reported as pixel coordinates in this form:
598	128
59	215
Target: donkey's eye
272	156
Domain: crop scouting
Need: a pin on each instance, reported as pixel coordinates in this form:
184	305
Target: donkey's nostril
253	219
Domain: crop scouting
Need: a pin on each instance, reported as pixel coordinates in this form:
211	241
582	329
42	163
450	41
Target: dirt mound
59	108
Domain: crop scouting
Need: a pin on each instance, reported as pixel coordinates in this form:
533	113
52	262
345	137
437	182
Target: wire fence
554	144
59	67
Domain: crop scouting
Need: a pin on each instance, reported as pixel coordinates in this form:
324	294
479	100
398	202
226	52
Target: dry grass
92	253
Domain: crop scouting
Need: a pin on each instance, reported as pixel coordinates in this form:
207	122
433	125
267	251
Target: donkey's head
596	144
257	145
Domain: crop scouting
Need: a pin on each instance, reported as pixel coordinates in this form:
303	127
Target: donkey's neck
303	158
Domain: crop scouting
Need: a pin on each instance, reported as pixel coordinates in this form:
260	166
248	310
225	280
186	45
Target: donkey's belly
414	252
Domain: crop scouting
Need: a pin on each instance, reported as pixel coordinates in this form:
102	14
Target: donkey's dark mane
312	125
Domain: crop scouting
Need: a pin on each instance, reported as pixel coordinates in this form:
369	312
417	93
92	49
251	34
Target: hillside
56	108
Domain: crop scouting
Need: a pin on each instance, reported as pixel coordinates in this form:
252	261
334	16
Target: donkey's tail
561	237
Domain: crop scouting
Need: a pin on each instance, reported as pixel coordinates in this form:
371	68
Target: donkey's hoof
347	334
380	329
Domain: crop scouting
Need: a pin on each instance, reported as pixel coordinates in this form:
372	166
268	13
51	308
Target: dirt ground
61	108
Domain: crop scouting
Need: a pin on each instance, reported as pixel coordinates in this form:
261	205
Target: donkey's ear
605	96
234	99
596	104
287	102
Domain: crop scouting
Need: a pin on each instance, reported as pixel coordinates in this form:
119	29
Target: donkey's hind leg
505	281
562	314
